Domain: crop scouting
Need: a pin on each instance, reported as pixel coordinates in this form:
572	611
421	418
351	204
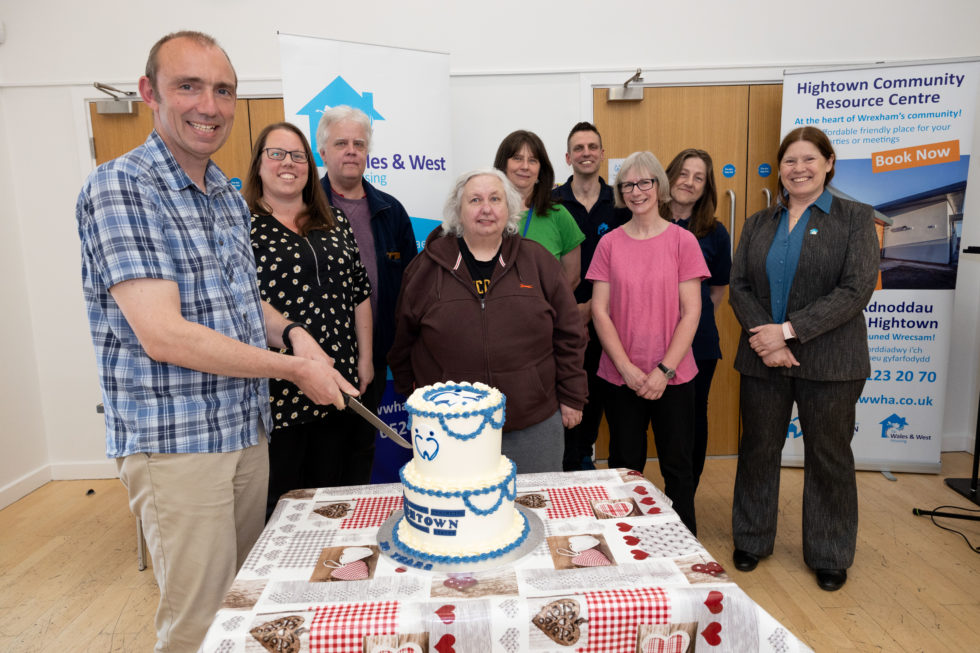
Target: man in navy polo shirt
589	199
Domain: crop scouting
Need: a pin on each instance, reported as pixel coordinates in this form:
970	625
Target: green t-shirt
556	230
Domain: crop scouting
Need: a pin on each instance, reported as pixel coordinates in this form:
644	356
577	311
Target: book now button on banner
913	157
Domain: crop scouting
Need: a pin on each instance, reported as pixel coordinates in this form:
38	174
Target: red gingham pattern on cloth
341	628
615	614
371	512
574	501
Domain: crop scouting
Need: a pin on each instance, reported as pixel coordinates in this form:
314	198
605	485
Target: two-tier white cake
459	490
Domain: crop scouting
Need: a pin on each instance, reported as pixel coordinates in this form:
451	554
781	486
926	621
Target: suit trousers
201	514
830	508
672	419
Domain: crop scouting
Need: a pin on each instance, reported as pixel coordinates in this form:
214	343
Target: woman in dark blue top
693	199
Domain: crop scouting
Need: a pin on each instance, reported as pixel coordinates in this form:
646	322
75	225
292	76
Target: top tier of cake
455	431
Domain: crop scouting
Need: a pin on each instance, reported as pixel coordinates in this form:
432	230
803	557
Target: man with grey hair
381	225
181	337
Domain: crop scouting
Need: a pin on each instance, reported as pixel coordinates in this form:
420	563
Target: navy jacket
394	247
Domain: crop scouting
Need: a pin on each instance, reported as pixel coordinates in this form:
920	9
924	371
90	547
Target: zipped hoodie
524	337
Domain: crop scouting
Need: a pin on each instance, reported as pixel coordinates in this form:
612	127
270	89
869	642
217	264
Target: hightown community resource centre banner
406	95
902	135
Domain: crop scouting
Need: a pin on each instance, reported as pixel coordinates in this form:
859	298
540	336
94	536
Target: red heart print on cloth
624	527
647	501
459	583
711	568
614	508
639	489
712	634
445	644
447	614
714	601
357	570
640	554
631	540
591	558
673	643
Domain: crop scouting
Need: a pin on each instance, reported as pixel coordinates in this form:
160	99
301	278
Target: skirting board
56	472
24	485
878	465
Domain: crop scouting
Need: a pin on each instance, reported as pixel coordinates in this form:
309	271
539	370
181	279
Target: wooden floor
69	582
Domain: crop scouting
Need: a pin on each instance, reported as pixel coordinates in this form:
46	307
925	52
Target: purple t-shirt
359	215
644	297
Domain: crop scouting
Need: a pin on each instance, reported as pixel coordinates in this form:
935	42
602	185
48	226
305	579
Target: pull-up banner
406	95
903	136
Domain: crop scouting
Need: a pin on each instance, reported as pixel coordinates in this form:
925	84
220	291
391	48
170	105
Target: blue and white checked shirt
140	216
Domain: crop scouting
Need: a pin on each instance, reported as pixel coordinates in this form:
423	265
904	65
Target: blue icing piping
507	489
448	559
487	414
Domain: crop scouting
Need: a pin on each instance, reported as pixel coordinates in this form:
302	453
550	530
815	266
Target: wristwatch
290	327
669	373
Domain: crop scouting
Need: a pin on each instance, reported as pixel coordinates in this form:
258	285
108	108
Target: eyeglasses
642	184
279	154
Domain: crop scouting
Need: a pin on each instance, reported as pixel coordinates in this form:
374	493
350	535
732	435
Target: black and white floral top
316	280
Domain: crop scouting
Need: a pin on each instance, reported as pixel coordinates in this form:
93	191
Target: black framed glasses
279	154
642	184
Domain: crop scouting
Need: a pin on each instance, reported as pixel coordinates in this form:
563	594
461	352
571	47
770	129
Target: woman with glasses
646	302
310	269
693	199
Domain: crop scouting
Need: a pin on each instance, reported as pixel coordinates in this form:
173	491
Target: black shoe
831	580
745	561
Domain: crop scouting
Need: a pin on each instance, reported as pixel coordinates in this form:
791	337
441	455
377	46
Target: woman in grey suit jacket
803	273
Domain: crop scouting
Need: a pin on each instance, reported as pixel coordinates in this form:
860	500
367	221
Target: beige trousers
201	515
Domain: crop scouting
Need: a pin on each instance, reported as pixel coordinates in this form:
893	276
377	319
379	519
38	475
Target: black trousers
830	507
702	387
331	451
672	418
580	439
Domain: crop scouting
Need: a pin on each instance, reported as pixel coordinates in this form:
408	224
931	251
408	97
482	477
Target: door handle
768	195
731	221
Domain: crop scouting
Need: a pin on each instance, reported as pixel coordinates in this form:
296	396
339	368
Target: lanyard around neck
527	223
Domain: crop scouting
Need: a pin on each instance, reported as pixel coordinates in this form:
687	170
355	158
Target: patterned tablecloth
617	571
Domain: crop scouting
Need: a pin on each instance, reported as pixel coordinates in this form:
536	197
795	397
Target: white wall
514	64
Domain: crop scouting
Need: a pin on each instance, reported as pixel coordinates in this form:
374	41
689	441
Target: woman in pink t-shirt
646	303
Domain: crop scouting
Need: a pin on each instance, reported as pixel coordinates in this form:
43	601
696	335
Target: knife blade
375	421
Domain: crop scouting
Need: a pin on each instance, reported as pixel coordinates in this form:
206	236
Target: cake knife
375	421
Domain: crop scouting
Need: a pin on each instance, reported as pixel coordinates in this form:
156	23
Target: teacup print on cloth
401	643
346	563
666	638
579	551
615	508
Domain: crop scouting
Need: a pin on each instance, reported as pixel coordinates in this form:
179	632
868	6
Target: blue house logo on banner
336	93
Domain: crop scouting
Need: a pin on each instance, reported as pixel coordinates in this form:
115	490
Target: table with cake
465	555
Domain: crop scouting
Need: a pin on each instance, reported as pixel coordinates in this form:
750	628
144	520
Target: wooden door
739	127
116	134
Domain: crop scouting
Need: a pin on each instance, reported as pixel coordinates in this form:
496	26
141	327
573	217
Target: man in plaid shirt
180	337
